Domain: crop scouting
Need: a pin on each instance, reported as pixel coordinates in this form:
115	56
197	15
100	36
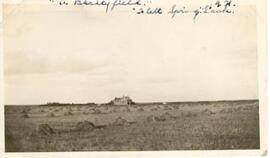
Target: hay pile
228	110
24	114
175	107
68	113
154	109
126	110
164	117
85	126
167	116
44	129
208	112
51	114
152	118
97	111
120	121
167	108
85	113
140	109
190	114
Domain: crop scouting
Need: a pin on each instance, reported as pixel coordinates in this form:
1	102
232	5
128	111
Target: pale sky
81	55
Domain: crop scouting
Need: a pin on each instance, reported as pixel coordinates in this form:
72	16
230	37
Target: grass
197	127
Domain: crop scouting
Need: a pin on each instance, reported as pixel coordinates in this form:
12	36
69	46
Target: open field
156	126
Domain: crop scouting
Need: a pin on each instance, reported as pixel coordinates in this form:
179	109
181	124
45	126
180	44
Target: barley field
139	127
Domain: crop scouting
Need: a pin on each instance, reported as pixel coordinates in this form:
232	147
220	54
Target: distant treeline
142	103
67	104
198	102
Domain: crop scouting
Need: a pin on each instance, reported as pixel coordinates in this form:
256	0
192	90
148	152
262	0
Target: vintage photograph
83	78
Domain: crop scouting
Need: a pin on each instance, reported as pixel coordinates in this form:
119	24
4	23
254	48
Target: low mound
85	126
45	129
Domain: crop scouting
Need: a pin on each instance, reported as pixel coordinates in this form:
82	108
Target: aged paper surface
133	78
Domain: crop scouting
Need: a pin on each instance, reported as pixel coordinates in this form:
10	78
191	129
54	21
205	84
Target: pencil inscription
147	7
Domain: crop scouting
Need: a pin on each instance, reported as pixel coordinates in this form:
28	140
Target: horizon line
189	101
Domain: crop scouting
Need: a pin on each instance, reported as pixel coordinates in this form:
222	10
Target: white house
125	100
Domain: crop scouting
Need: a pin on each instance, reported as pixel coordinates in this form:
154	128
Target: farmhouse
125	100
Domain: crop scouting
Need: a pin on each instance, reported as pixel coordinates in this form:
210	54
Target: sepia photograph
131	75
